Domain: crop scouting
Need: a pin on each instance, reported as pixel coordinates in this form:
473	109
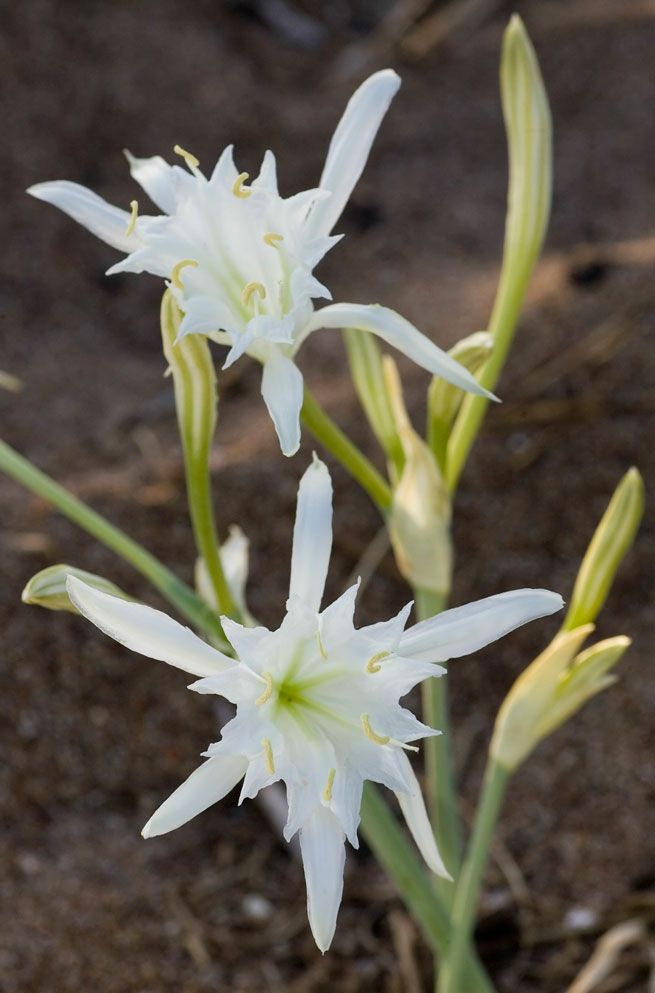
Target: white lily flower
317	700
240	258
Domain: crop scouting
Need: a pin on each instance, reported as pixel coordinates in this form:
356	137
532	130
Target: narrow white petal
336	621
282	389
399	333
162	182
147	631
88	209
466	629
312	536
238	684
418	822
245	641
350	147
323	855
209	783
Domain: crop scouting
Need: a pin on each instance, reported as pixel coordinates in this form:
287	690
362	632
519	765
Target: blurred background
94	738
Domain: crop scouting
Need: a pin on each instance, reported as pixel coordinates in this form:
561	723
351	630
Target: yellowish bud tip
377	739
272	239
268	756
268	692
327	792
190	159
238	188
134	207
250	289
373	664
177	269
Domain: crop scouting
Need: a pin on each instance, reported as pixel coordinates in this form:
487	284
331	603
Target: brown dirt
94	738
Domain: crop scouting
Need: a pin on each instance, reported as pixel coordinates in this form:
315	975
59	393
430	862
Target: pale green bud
612	539
419	519
365	360
551	690
444	399
48	587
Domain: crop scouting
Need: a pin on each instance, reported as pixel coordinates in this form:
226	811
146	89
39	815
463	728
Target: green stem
388	843
468	888
198	485
351	458
439	762
173	589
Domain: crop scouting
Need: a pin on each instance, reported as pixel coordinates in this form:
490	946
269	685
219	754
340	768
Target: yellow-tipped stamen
272	239
268	755
327	792
177	269
373	664
268	692
190	159
321	646
251	288
377	739
134	207
238	188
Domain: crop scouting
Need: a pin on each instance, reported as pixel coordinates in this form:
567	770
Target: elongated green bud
419	520
612	539
551	690
444	399
48	587
365	360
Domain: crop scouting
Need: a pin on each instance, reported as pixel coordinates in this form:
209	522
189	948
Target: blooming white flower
317	700
239	258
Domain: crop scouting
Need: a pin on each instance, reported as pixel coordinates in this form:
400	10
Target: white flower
240	257
317	700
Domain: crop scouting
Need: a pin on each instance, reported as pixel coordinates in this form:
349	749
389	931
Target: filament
268	756
321	646
373	664
327	792
131	225
268	692
251	288
177	269
377	739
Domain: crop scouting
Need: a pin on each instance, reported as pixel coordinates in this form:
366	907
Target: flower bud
550	691
444	399
419	520
234	554
48	587
612	539
365	363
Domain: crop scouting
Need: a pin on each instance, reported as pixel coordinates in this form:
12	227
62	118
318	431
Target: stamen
327	792
268	755
377	739
251	288
271	238
373	664
131	225
238	188
321	646
268	692
177	269
190	159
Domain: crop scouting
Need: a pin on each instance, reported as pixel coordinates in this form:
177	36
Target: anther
131	225
190	159
272	239
268	756
268	692
327	792
177	269
377	739
321	646
373	664
251	288
238	188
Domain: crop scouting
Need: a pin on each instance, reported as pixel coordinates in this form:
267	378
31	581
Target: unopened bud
48	587
444	399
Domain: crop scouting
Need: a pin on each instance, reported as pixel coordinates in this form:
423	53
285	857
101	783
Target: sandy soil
93	739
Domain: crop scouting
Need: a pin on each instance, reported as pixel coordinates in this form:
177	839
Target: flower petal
99	217
208	784
418	822
336	621
312	536
466	629
350	147
323	854
162	182
282	389
399	333
147	631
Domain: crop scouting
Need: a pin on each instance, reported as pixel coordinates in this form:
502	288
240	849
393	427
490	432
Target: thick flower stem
439	764
389	845
173	589
351	458
468	887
